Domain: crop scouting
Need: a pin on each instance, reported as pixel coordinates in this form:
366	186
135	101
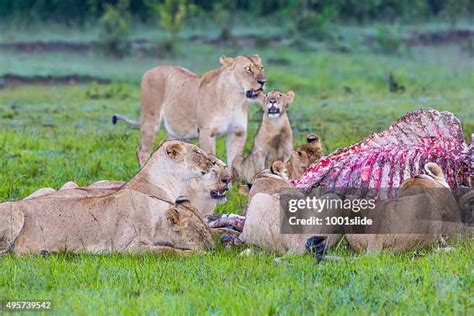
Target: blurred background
166	27
355	65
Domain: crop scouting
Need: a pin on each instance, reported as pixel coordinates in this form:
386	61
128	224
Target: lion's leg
235	143
143	246
207	140
150	116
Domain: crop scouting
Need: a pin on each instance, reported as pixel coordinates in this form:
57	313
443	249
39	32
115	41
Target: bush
171	15
386	40
310	18
223	14
114	28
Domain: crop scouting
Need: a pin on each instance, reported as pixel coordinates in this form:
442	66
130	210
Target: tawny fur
158	176
191	106
417	197
281	173
303	157
273	140
138	216
262	225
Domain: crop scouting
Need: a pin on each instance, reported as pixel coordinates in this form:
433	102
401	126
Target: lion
175	169
151	212
274	138
262	228
280	174
124	221
425	196
262	224
200	107
303	157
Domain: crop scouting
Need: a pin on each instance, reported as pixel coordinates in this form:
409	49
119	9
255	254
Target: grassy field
53	134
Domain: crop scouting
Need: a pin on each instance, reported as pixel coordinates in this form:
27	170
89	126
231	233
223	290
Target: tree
171	14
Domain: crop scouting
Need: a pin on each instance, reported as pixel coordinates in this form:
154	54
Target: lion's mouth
218	194
252	94
273	111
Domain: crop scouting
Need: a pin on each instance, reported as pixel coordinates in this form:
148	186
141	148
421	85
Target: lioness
122	221
192	106
141	215
419	197
425	196
175	169
274	138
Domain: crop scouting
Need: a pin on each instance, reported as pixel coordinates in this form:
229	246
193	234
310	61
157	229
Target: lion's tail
119	117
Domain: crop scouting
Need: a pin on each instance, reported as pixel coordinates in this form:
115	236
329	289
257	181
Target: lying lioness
175	169
144	214
274	138
427	195
204	107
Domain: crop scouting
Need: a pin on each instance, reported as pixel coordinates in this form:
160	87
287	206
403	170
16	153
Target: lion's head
275	103
278	177
303	157
188	231
249	72
187	170
213	178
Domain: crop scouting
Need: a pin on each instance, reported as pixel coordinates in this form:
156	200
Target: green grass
53	134
224	283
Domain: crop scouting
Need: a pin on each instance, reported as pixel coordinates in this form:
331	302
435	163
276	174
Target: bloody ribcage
384	160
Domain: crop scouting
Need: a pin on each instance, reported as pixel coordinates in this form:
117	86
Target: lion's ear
311	138
176	219
290	94
176	151
257	57
172	216
277	167
434	170
226	61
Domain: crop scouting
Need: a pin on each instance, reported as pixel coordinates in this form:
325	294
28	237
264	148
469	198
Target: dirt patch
138	45
39	46
12	80
441	38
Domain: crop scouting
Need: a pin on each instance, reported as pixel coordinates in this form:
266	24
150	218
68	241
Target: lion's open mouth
252	94
218	194
273	111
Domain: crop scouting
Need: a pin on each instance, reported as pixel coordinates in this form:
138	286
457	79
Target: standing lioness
204	107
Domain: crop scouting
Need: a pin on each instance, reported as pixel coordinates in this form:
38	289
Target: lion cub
281	173
274	139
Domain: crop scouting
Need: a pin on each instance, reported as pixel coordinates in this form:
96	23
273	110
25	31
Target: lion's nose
226	179
261	81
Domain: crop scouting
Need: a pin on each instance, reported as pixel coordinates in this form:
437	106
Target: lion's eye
279	95
248	68
261	68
